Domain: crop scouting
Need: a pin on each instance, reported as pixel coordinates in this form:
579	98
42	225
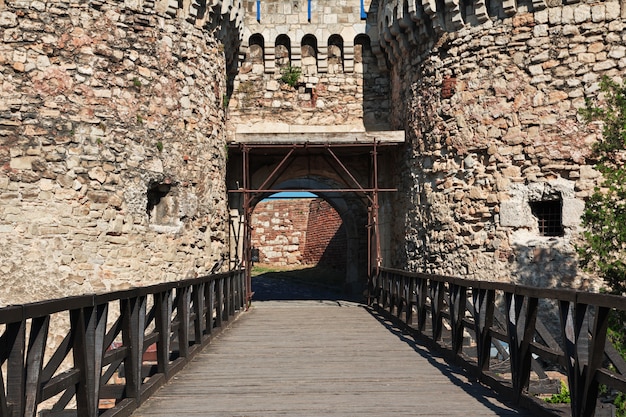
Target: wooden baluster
230	296
594	361
4	407
383	289
458	302
581	370
198	309
408	297
408	318
572	319
209	295
236	292
483	300
226	299
34	363
422	293
242	279
436	308
182	309
401	295
133	325
219	302
378	287
395	291
16	346
89	329
521	330
163	323
388	301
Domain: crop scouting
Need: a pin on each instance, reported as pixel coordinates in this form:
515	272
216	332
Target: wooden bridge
422	345
310	358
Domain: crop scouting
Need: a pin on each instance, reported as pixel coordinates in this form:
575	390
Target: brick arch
353	214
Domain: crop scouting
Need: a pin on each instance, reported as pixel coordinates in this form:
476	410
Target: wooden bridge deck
319	358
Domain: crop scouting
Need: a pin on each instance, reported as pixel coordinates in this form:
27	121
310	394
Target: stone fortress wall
341	86
112	143
489	95
113	138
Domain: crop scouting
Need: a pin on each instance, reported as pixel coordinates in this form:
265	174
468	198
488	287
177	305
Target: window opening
309	54
335	54
549	217
162	207
283	51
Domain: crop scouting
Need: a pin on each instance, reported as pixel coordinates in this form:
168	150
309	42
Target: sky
291	194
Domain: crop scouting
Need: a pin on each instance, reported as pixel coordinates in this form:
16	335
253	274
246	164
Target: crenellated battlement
326	30
404	25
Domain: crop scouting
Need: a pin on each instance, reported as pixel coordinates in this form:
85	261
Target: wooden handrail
480	307
106	364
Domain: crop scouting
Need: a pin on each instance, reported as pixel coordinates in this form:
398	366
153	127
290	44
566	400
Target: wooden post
436	307
16	346
88	328
210	305
34	363
198	309
184	299
422	293
458	303
163	323
133	312
483	300
521	330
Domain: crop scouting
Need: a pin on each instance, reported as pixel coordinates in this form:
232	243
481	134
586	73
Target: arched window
256	49
335	54
309	54
363	55
283	51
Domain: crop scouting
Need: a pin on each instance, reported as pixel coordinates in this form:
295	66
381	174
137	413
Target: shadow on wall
548	263
333	253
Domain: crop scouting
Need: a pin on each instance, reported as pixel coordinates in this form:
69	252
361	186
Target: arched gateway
309	111
352	175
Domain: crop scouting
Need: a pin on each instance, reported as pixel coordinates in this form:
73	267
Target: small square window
549	217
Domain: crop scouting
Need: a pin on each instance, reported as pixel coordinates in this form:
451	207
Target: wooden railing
112	350
509	319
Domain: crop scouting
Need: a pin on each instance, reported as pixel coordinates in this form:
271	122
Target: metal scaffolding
332	153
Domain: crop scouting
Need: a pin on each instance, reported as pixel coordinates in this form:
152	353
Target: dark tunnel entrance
298	249
343	177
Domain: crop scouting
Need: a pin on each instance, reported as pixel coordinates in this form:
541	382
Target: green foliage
139	119
620	405
225	100
604	250
159	146
613	116
136	83
562	397
291	75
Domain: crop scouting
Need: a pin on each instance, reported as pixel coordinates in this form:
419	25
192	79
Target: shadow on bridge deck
288	285
319	355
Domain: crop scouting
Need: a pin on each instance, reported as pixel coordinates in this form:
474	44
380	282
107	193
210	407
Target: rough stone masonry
490	97
112	129
112	146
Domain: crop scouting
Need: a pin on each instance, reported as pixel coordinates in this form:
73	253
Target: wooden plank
16	348
34	363
319	358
